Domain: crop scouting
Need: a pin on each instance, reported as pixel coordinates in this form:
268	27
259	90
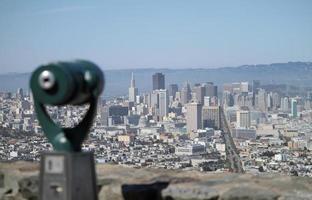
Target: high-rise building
211	117
133	91
163	102
172	90
294	108
193	117
210	89
199	92
227	98
244	87
206	101
147	99
112	115
269	101
139	99
158	81
261	100
255	86
243	117
285	104
160	103
276	100
186	93
154	99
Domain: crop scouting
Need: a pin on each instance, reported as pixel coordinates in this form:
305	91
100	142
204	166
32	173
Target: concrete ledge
19	181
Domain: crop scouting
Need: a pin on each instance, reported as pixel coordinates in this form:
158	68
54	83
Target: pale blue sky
155	33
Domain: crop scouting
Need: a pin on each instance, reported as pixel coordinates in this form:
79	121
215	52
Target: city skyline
198	128
137	34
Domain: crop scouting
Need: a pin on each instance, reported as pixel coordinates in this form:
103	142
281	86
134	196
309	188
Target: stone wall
19	181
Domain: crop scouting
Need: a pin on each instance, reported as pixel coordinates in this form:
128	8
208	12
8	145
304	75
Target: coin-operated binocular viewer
67	173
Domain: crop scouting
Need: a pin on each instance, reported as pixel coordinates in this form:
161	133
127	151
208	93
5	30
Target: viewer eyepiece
46	80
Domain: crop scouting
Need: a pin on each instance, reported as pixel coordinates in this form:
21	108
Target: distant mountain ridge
118	81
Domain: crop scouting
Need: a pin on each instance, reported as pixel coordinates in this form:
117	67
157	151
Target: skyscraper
160	103
244	87
261	100
285	104
158	81
199	93
255	86
163	102
276	100
227	98
193	117
294	108
210	89
243	117
186	93
173	88
206	101
211	117
133	91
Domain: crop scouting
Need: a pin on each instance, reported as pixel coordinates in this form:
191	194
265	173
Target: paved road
231	151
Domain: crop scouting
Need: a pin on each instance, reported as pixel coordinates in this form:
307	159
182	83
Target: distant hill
118	81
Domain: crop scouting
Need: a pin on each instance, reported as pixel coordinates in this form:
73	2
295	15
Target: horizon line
181	68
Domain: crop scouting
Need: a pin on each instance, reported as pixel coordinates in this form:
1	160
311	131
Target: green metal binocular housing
66	83
63	83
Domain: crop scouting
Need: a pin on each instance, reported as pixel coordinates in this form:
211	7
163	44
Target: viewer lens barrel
67	83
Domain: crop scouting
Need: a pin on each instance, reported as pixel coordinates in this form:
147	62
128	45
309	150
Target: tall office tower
163	102
243	117
276	101
199	92
154	99
294	108
244	87
210	89
206	101
186	93
105	115
173	89
158	81
159	103
269	101
285	104
133	91
227	98
117	114
255	86
193	117
211	117
147	99
139	99
261	100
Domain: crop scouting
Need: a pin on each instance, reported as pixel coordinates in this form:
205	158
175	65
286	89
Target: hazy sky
155	33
